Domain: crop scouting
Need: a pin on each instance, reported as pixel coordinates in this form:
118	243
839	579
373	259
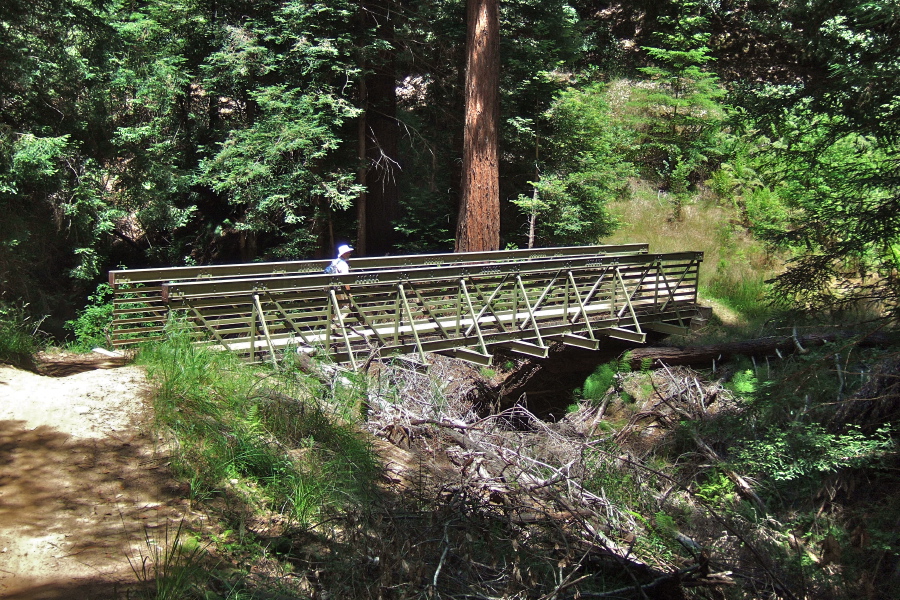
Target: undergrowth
822	466
786	464
92	324
749	480
252	442
19	335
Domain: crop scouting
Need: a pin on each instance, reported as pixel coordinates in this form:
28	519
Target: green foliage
130	133
18	335
664	522
599	382
605	376
834	152
37	159
269	169
622	486
803	451
717	488
581	169
48	208
833	209
91	326
487	373
744	382
679	114
741	179
426	223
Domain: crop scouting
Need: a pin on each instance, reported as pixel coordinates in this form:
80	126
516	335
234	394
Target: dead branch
518	469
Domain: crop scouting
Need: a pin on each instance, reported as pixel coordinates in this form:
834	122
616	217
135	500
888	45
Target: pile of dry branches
581	501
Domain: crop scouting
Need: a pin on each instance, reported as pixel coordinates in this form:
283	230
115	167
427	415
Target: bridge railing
140	313
463	308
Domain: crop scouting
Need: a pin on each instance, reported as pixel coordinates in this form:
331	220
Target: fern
605	376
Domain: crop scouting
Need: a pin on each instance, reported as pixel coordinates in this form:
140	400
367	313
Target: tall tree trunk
382	152
361	172
381	133
478	227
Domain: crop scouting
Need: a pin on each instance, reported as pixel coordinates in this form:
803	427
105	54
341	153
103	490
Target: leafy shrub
744	382
802	451
91	326
717	488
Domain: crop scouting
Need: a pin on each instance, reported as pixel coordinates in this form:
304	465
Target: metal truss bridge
461	304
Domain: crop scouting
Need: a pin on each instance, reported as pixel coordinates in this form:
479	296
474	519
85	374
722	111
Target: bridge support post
265	328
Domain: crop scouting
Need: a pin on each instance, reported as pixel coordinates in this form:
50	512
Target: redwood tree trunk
478	227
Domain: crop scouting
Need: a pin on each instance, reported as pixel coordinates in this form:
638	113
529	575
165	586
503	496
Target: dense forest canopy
191	132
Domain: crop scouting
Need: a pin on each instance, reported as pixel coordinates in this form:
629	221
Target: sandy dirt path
80	483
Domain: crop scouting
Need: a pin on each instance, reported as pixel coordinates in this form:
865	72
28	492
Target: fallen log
569	366
769	346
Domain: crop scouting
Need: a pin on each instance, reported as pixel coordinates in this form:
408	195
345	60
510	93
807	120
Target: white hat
344	249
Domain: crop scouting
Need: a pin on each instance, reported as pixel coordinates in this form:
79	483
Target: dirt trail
79	482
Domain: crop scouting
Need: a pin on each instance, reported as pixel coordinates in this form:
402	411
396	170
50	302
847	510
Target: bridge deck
462	304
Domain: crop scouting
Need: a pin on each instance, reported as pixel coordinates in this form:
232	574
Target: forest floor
85	489
81	485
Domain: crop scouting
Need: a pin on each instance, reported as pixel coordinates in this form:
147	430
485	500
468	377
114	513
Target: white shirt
340	266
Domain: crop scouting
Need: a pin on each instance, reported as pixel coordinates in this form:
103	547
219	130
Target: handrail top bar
242	270
419	273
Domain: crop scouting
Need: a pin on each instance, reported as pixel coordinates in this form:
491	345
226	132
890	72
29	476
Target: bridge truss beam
140	313
463	309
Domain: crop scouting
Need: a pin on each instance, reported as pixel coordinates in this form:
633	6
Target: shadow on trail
76	506
87	589
64	365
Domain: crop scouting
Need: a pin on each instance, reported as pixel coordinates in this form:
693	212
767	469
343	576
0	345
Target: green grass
263	442
18	335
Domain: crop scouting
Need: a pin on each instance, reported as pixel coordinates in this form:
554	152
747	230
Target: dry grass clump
735	266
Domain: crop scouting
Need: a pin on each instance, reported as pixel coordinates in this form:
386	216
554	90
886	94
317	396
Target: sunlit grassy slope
735	266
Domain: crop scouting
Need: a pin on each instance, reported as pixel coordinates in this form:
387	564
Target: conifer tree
681	112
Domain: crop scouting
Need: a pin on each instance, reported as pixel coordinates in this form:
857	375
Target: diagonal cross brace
627	297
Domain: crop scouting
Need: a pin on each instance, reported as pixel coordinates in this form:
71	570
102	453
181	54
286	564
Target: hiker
340	266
